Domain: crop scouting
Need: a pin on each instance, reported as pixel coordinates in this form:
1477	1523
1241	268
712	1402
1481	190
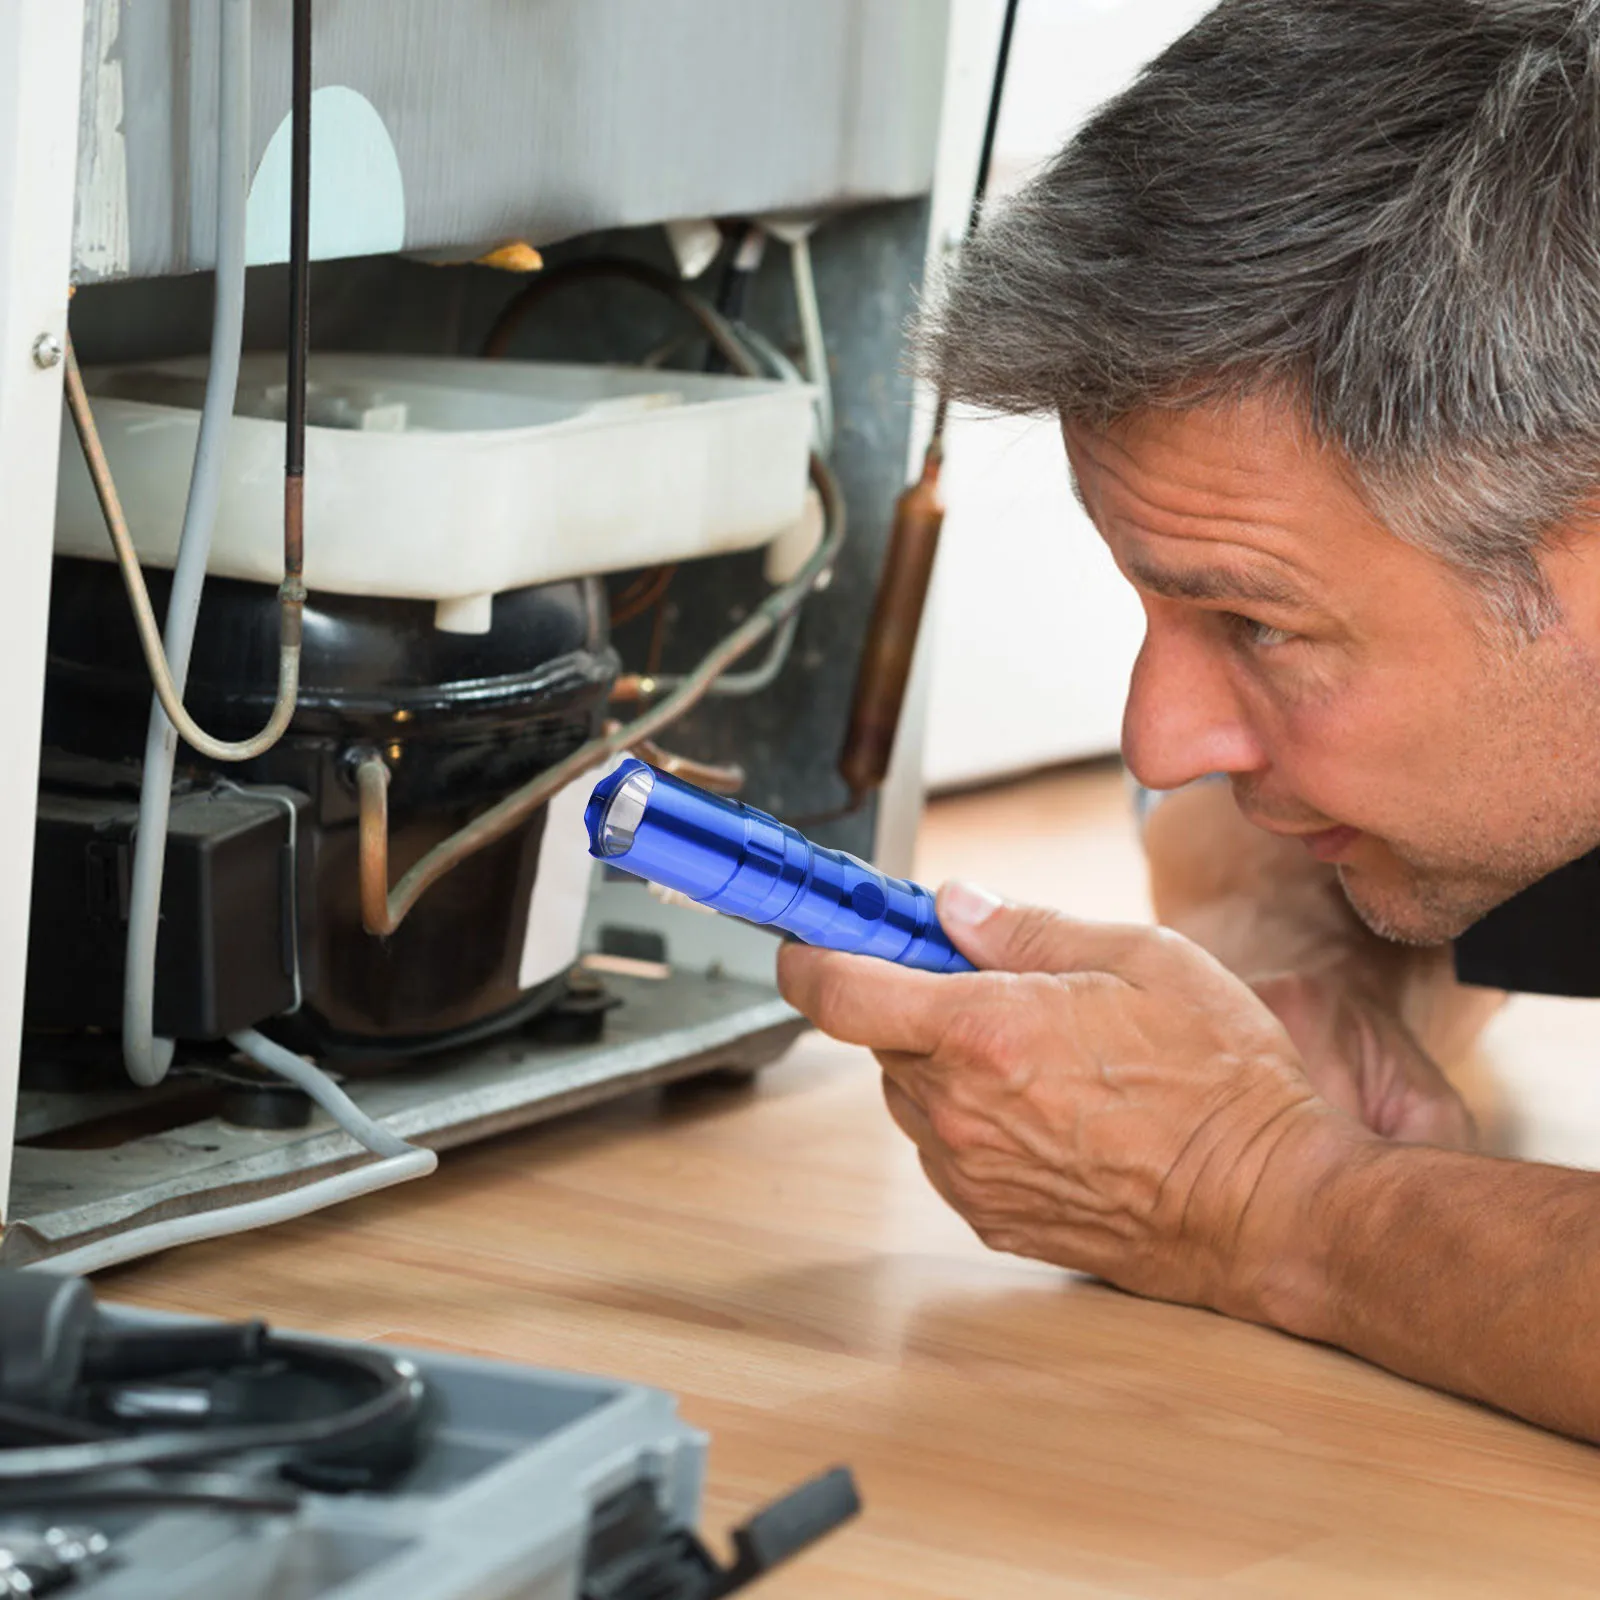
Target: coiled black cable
387	1406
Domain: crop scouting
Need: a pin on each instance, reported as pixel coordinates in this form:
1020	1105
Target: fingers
1363	1060
997	1209
1000	937
912	1121
940	1182
860	1000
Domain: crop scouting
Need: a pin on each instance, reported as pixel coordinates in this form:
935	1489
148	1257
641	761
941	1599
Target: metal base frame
679	1026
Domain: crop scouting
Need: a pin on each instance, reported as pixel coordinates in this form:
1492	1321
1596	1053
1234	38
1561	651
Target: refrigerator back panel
465	123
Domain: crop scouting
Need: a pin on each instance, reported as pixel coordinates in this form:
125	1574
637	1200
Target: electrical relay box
228	903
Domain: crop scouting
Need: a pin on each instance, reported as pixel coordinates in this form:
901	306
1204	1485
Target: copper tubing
640	595
631	687
703	774
291	601
292	593
380	916
902	598
885	669
383	909
372	788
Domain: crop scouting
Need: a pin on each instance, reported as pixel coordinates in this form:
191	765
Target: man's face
1357	692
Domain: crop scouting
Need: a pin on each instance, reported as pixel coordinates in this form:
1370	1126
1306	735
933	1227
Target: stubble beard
1431	907
1430	890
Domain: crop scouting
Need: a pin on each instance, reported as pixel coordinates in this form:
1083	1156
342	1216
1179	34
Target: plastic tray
452	480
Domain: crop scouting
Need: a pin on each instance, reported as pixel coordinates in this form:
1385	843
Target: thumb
1007	938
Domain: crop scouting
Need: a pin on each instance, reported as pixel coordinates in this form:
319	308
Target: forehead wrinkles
1220	499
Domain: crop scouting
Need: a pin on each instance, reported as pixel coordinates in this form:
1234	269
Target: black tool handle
789	1526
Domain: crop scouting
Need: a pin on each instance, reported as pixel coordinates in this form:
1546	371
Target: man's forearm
1471	1274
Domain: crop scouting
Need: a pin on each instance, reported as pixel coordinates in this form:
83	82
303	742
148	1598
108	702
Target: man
1318	303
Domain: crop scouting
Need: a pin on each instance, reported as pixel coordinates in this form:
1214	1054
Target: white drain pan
448	480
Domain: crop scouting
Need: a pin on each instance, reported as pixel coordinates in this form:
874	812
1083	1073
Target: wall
1033	631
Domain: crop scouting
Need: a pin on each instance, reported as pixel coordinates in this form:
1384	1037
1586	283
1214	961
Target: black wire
711	323
294	461
123	1355
395	1405
35	1425
735	287
991	129
991	126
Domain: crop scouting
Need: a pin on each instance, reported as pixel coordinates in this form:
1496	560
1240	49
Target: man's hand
1107	1098
1370	1018
1117	1102
1363	1059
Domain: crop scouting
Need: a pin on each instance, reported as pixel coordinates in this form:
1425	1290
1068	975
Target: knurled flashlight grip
735	859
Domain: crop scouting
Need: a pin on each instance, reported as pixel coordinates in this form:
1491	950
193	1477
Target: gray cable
218	1224
809	311
275	1057
736	685
399	1163
764	350
146	1057
739	685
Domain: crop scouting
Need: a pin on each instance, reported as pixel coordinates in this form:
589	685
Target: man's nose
1183	719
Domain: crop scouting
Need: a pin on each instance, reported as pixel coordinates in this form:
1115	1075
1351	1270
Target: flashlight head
616	827
662	829
739	860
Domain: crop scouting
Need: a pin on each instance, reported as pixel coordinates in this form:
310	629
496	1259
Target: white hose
809	312
265	1052
399	1162
146	1057
167	1235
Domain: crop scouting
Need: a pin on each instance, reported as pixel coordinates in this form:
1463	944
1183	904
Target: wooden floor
774	1257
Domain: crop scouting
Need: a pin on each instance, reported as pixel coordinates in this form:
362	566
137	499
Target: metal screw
47	351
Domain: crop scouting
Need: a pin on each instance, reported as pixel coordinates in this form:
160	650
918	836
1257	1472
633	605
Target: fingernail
967	904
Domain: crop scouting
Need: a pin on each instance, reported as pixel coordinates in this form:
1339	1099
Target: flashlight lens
625	812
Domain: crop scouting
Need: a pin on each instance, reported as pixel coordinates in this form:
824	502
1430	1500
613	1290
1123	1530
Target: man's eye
1258	635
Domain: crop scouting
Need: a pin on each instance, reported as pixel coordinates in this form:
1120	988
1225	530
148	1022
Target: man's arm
1110	1099
1375	1013
1460	1271
1259	903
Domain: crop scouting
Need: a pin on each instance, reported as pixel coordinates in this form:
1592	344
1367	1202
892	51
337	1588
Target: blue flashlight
736	859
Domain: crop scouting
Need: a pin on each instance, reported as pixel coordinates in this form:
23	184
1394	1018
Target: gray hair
1388	209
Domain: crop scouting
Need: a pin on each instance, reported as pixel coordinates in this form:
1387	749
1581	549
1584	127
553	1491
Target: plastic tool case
529	1485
